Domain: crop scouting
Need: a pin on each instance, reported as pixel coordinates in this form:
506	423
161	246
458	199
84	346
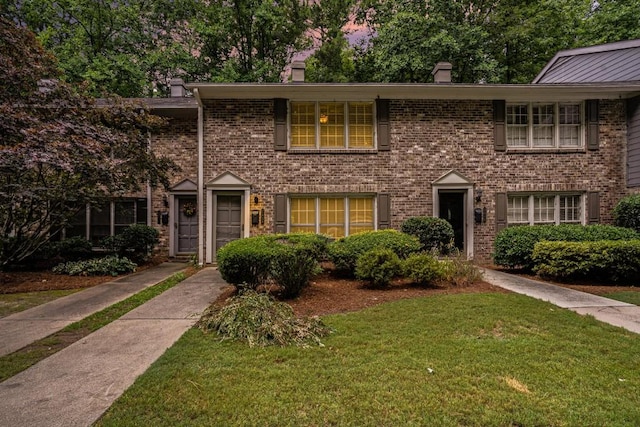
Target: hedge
514	246
627	212
344	252
616	260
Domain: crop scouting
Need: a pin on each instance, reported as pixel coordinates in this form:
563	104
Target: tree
59	150
611	21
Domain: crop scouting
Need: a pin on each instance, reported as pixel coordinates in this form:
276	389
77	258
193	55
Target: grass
466	359
13	303
13	363
631	297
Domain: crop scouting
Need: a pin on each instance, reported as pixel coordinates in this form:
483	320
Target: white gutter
196	93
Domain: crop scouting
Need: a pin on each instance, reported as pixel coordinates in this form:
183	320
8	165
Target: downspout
201	237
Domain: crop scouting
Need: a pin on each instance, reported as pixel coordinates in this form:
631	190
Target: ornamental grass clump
259	320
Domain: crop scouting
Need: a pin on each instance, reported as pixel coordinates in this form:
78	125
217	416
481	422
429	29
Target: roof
606	63
406	91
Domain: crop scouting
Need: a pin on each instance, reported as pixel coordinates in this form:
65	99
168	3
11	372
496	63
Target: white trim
455	181
200	200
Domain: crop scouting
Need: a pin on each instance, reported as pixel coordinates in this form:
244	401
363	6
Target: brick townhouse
342	158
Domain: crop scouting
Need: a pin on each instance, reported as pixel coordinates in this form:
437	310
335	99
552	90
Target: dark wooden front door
187	225
228	219
452	209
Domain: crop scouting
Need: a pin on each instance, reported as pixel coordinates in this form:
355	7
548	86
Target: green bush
111	265
627	212
344	252
260	321
459	271
53	253
617	260
423	268
514	245
433	233
135	242
290	260
378	266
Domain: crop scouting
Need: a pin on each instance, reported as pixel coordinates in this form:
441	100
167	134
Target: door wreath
189	209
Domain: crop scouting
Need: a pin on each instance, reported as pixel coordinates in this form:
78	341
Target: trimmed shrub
423	268
290	260
627	212
54	253
344	252
260	321
111	265
514	245
378	266
433	233
617	260
135	242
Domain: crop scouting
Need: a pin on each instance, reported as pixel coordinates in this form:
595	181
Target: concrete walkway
25	327
615	313
76	385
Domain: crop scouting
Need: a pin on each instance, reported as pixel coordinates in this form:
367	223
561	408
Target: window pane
77	226
141	211
518	210
543	125
332	124
125	214
360	124
570	209
569	125
360	214
303	124
517	125
543	209
332	217
303	215
100	222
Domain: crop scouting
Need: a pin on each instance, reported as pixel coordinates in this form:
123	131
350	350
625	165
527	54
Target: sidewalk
606	310
76	385
23	328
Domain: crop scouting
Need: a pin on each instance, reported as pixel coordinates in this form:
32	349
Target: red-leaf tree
58	149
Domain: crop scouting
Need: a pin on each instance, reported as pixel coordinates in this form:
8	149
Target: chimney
442	72
297	71
177	88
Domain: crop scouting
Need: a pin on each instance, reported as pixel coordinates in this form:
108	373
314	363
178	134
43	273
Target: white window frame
347	125
345	197
531	204
556	141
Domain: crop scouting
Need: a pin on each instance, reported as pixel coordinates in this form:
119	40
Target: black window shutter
593	131
499	125
384	211
593	207
280	213
383	127
501	211
280	122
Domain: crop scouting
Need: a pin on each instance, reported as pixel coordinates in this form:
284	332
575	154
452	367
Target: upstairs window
538	209
331	125
549	125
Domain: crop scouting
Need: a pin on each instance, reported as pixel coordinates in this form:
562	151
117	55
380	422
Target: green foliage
627	212
617	260
344	252
433	233
111	265
423	268
135	242
460	272
288	259
260	321
514	245
378	266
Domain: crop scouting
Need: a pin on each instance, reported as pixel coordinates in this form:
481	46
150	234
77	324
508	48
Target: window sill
332	151
545	150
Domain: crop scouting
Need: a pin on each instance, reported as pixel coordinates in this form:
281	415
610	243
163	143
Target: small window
331	215
331	125
544	126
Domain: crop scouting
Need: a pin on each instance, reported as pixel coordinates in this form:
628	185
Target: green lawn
632	297
473	360
13	303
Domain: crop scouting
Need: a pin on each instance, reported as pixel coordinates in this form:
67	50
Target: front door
187	225
228	219
452	209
